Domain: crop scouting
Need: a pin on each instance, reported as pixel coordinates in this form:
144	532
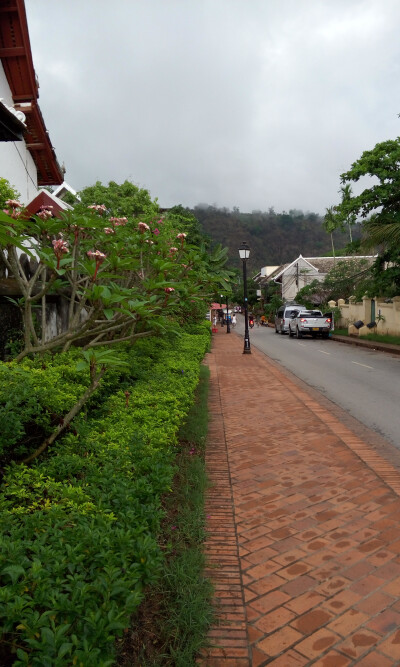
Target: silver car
284	315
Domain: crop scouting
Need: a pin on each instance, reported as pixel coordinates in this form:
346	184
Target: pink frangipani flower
45	214
119	222
99	208
182	237
13	203
99	257
168	291
59	247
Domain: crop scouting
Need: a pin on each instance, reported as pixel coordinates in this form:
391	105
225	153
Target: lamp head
244	251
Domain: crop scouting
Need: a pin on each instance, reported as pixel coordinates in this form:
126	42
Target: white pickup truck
310	323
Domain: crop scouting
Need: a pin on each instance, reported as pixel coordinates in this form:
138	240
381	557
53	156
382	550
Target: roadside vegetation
91	447
170	628
80	528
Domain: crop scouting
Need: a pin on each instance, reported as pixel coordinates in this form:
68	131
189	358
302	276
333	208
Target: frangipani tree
123	278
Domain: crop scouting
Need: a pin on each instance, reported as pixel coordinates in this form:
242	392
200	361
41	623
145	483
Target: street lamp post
244	254
228	324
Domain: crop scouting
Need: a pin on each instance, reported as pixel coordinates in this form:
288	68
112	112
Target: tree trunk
68	418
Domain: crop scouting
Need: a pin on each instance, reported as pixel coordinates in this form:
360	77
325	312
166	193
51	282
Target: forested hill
274	238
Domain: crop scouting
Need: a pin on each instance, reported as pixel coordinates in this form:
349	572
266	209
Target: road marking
365	365
303	344
323	352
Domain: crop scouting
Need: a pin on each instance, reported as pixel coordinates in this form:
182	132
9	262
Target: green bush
79	529
32	401
36	394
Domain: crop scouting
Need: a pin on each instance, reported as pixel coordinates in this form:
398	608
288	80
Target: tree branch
68	418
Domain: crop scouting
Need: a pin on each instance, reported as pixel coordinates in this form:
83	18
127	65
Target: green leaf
23	656
14	572
82	365
64	648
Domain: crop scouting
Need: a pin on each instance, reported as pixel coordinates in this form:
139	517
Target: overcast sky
248	103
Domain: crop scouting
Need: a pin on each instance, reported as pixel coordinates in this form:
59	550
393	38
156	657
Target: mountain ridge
273	238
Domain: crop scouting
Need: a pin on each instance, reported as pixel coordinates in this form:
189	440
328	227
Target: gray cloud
235	102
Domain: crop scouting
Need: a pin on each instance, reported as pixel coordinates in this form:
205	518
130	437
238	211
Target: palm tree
330	224
348	217
380	231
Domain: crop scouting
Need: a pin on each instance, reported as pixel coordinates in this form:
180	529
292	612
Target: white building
301	272
27	157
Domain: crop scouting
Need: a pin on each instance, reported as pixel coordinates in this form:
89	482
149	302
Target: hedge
80	528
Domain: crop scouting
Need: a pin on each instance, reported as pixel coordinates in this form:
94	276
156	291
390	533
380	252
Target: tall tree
379	204
347	217
120	199
330	224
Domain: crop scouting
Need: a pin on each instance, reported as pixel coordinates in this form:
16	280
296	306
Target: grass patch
172	625
378	338
393	340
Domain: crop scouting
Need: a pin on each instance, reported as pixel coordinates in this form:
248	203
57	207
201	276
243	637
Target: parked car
310	323
283	315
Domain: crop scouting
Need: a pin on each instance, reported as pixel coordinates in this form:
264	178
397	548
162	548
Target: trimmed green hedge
80	528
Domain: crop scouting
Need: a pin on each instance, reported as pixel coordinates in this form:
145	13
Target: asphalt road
365	383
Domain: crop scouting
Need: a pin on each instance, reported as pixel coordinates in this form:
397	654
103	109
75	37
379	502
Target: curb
371	344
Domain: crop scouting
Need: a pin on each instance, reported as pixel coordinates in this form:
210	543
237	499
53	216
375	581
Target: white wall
16	163
297	276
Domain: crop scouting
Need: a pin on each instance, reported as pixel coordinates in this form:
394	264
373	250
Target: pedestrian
215	320
234	319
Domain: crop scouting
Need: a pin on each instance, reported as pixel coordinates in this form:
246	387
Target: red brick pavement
304	538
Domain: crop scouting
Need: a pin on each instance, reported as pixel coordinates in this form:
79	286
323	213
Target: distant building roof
319	265
63	189
46	198
325	264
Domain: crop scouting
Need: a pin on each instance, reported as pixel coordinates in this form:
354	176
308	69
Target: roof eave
16	58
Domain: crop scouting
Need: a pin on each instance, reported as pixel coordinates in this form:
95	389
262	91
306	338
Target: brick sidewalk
304	538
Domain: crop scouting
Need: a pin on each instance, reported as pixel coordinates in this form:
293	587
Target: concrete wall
16	163
387	315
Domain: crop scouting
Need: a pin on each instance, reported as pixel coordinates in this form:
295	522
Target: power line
23	162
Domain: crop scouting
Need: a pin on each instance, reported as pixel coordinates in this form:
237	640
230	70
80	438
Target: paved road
363	382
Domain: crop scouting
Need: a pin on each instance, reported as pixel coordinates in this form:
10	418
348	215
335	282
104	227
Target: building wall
16	163
297	276
387	315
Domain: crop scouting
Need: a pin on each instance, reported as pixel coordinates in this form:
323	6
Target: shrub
79	542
